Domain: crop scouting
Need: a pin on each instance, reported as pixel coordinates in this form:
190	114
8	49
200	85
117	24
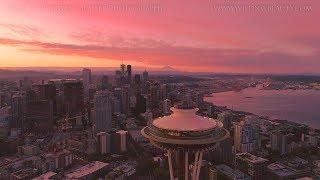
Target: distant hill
297	78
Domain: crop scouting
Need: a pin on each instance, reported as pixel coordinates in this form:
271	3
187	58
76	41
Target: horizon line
157	70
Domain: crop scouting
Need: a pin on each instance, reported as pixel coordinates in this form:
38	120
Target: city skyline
159	89
158	127
191	37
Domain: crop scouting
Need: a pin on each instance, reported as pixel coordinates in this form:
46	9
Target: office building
47	92
103	111
137	83
222	153
124	100
122	94
86	79
5	118
2	99
245	137
145	76
129	73
73	101
39	116
280	142
104	83
18	107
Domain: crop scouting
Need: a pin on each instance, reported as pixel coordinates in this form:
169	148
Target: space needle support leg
170	165
199	165
186	166
194	170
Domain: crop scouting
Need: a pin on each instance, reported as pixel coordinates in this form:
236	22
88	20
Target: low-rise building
289	169
26	173
124	171
58	160
253	165
90	171
28	150
226	172
46	176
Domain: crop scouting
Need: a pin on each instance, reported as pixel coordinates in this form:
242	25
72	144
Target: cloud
24	31
159	53
104	39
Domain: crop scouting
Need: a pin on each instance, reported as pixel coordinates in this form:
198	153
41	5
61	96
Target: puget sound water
300	106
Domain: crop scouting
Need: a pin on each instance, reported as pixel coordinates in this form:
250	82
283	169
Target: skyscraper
124	77
141	105
18	104
47	92
122	94
72	97
123	69
2	99
104	82
5	117
118	78
40	116
86	77
137	83
103	111
125	100
129	73
145	76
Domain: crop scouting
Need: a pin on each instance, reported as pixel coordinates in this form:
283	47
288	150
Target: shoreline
275	120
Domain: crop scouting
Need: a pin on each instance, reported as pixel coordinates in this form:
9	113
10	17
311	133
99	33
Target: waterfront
300	106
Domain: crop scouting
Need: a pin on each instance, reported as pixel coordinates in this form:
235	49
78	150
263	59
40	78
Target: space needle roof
185	120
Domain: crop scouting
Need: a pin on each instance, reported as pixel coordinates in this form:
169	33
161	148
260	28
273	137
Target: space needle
185	136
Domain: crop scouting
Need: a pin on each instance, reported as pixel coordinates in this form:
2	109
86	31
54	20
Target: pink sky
187	35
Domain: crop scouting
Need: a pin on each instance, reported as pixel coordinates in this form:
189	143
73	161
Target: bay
300	106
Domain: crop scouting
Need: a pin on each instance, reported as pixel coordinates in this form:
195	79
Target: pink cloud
190	34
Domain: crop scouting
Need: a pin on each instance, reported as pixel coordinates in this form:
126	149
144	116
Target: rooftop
122	132
251	158
232	173
280	170
46	175
86	170
184	120
24	173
